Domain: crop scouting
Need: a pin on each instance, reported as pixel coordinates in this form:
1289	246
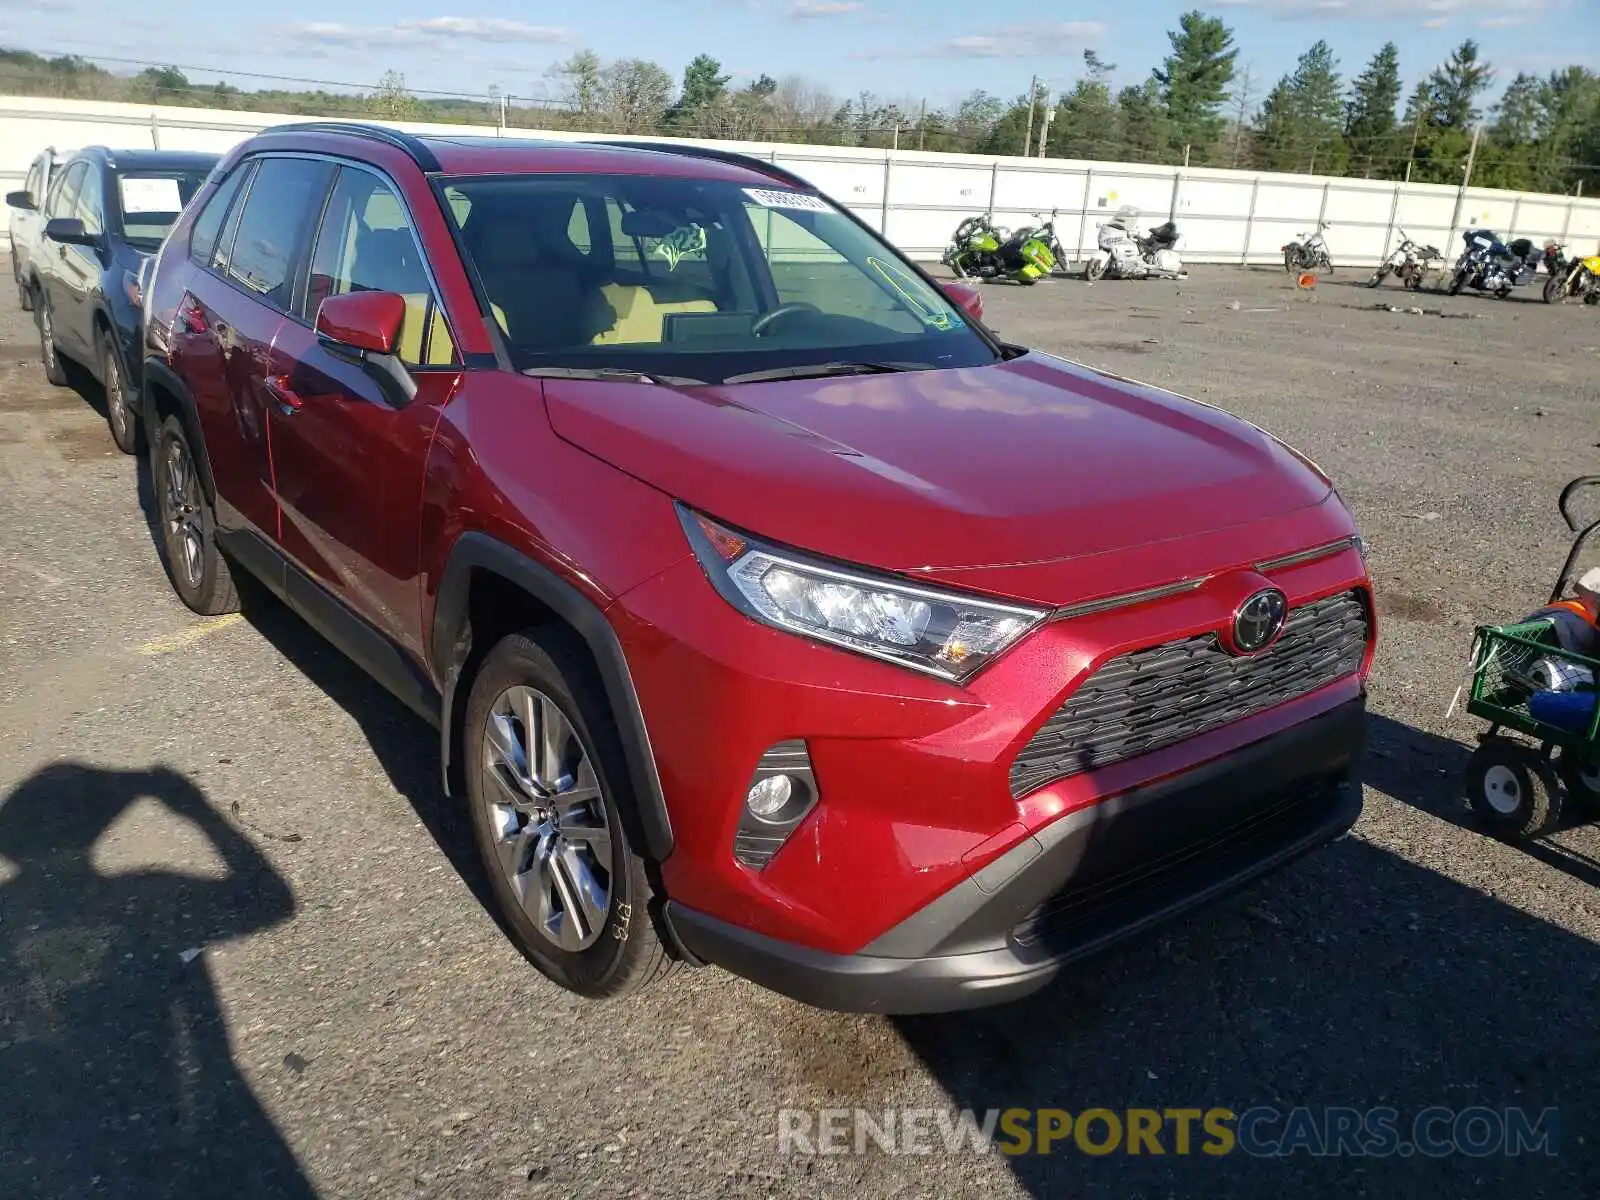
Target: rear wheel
1513	790
546	783
54	372
120	415
1581	772
198	572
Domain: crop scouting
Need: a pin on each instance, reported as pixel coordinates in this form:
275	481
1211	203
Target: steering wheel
758	327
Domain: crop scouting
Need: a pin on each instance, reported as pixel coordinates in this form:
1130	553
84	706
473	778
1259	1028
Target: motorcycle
1045	232
1411	262
1570	278
982	250
1309	252
1490	265
1123	254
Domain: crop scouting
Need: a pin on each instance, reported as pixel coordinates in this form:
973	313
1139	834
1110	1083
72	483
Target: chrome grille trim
1148	699
1326	550
1106	603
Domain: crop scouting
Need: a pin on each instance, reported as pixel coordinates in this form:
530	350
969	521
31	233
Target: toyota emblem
1259	621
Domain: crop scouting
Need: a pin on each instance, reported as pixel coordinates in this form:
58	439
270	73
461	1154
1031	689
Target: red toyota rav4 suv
773	613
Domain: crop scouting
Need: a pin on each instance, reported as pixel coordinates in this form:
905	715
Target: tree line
1197	107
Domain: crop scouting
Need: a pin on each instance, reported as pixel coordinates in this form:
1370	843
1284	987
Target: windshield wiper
822	370
614	375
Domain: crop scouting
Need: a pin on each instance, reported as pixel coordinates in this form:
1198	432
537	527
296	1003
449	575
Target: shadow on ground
116	1076
1353	978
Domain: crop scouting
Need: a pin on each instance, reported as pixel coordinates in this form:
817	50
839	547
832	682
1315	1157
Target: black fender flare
157	374
451	646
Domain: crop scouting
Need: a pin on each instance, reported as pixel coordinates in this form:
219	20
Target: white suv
27	220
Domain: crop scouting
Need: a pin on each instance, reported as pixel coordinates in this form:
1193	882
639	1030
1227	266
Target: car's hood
1021	462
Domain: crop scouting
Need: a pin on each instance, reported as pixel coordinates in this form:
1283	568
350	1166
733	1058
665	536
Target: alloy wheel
116	400
547	817
180	502
47	337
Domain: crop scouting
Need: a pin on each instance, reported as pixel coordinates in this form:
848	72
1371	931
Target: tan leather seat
640	317
540	303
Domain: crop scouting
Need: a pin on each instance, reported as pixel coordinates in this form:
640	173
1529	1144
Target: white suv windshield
696	278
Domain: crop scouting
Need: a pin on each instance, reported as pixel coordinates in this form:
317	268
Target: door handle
288	400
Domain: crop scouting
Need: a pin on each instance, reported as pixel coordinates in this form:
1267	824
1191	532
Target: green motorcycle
980	250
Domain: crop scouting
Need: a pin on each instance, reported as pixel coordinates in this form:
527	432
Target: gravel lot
354	1024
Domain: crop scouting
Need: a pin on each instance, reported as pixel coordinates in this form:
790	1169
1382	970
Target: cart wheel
1581	774
1513	790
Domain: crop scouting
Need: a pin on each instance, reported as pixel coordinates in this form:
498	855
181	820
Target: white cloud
1495	14
423	31
1037	40
805	10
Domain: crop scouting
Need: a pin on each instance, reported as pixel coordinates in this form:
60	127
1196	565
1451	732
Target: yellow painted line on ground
189	636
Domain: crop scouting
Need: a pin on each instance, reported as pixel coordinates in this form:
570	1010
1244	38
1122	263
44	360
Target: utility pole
922	124
1045	118
1033	97
1186	147
1466	179
897	133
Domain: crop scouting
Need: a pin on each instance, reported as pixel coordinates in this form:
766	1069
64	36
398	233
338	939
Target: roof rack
688	150
410	144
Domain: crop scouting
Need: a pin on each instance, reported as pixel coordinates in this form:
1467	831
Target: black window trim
240	170
300	268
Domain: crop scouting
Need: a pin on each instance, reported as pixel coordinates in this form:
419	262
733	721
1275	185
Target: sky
937	50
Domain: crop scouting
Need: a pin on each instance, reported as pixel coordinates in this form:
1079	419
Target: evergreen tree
1085	122
1300	128
1369	125
1142	124
1194	83
703	86
1456	86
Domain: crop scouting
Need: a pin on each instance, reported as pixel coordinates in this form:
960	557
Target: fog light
782	791
767	798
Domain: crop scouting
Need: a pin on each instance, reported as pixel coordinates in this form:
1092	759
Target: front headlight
942	633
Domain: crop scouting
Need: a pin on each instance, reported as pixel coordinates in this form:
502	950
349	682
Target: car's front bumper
1091	878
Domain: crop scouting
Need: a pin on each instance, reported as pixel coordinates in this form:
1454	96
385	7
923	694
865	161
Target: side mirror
366	326
69	231
967	297
21	200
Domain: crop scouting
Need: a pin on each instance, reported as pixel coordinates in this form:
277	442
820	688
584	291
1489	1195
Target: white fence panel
918	199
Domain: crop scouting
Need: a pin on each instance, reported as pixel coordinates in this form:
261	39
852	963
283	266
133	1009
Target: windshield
697	279
152	200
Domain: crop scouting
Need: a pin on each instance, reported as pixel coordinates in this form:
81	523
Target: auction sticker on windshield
150	195
769	198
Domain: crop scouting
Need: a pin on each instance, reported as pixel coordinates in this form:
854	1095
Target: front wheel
546	789
120	414
1513	790
1553	289
195	565
1291	259
1457	282
1378	277
1094	269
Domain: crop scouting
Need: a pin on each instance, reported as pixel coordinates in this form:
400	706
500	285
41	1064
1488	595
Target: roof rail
688	150
410	144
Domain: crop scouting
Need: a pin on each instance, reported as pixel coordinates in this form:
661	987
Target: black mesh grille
1151	698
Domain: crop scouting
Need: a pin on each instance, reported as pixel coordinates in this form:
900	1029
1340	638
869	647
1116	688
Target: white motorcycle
1411	262
1123	254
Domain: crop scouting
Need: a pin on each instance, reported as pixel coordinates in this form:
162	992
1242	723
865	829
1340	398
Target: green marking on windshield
931	317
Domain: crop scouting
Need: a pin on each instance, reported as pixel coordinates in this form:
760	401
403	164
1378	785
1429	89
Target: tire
1553	289
1581	774
120	415
533	867
54	371
1513	790
1378	277
1411	280
1457	282
1291	260
24	292
195	566
1094	269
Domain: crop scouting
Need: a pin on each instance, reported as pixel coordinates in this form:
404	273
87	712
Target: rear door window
208	225
89	205
274	225
66	195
